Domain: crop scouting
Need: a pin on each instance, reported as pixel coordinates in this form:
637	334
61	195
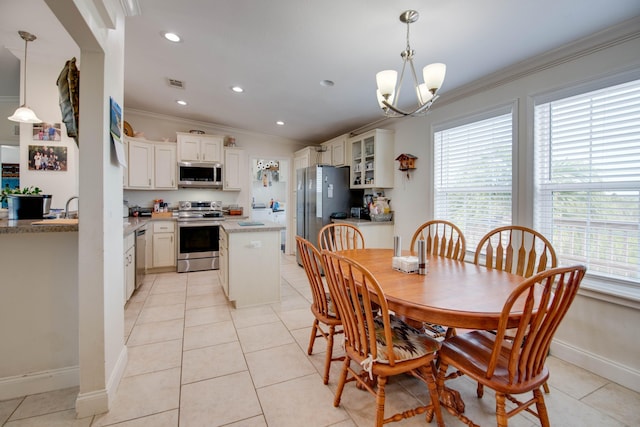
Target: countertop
358	221
18	226
235	227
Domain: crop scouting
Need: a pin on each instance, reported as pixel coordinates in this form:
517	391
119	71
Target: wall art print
46	132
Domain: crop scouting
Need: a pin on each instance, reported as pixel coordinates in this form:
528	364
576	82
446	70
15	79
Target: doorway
269	190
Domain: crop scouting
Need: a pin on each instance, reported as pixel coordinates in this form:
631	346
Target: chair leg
380	397
312	339
541	407
429	374
480	391
342	381
501	414
546	388
329	356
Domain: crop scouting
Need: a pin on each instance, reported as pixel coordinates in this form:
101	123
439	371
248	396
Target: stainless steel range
198	234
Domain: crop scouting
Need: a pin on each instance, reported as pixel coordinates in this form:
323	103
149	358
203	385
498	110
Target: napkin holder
406	264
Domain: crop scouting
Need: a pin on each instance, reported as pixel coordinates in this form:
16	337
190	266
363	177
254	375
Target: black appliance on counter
198	235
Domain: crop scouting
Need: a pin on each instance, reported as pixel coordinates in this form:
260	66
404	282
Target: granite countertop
236	227
133	223
18	226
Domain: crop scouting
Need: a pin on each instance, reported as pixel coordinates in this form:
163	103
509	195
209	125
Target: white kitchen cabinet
376	234
223	272
250	264
164	244
151	165
372	159
199	148
306	157
129	266
140	164
165	166
335	153
234	168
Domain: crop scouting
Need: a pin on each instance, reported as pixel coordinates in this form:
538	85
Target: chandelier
389	85
25	114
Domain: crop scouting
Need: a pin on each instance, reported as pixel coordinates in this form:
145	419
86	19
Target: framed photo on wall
46	132
47	158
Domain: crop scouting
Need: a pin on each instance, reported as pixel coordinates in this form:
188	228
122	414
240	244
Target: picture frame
47	132
49	158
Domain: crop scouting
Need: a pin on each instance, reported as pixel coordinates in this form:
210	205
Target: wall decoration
46	132
47	158
407	162
116	135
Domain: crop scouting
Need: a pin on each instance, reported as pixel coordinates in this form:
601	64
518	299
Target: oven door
198	245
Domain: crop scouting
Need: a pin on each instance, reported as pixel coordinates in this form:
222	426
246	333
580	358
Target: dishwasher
141	243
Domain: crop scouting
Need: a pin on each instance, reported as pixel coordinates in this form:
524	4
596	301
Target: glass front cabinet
372	159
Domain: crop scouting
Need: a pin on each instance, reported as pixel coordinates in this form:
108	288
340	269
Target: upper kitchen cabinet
151	165
164	166
235	168
140	164
308	156
335	153
199	148
372	159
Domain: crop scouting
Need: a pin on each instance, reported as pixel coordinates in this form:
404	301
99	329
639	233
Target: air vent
16	130
178	84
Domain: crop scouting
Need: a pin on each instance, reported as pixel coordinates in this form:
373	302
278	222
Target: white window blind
587	177
473	175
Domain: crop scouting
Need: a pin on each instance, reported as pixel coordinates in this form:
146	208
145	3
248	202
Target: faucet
66	207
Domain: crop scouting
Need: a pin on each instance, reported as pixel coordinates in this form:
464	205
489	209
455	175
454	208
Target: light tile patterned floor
195	361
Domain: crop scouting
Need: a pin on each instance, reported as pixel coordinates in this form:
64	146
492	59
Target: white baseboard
608	369
99	401
39	382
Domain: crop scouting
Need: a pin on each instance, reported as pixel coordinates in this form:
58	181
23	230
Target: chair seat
408	342
471	353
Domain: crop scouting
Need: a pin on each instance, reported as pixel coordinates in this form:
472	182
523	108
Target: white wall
600	332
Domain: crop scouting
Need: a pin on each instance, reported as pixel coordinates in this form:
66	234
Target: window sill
615	292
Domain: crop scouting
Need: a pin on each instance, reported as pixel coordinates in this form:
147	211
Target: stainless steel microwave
199	175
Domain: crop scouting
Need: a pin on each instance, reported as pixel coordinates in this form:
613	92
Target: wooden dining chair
376	340
443	238
517	365
340	236
515	249
322	306
518	250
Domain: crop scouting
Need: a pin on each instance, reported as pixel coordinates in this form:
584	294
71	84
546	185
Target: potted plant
16	192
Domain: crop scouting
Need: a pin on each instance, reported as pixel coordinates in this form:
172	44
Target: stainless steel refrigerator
320	192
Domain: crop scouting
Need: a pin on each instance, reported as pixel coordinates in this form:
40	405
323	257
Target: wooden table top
452	293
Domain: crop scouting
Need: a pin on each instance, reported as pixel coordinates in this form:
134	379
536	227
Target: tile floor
195	361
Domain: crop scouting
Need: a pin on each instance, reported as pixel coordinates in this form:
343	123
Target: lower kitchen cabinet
250	264
376	234
164	244
129	266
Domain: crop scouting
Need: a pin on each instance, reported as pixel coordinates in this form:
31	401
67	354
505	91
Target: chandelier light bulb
386	81
433	75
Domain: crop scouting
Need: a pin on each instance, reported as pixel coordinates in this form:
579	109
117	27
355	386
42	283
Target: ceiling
279	51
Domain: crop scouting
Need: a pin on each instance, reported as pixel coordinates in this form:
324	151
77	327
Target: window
587	179
473	173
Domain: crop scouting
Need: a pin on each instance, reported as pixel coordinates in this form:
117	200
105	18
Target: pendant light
389	85
25	114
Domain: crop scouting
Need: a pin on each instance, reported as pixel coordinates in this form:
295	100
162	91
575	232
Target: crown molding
626	31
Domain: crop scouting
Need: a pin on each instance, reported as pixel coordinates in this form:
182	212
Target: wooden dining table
453	293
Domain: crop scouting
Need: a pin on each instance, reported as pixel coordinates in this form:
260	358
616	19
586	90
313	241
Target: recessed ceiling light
172	37
327	83
237	89
280	123
181	102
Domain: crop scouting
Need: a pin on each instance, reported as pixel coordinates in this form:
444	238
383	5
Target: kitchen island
377	234
250	262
